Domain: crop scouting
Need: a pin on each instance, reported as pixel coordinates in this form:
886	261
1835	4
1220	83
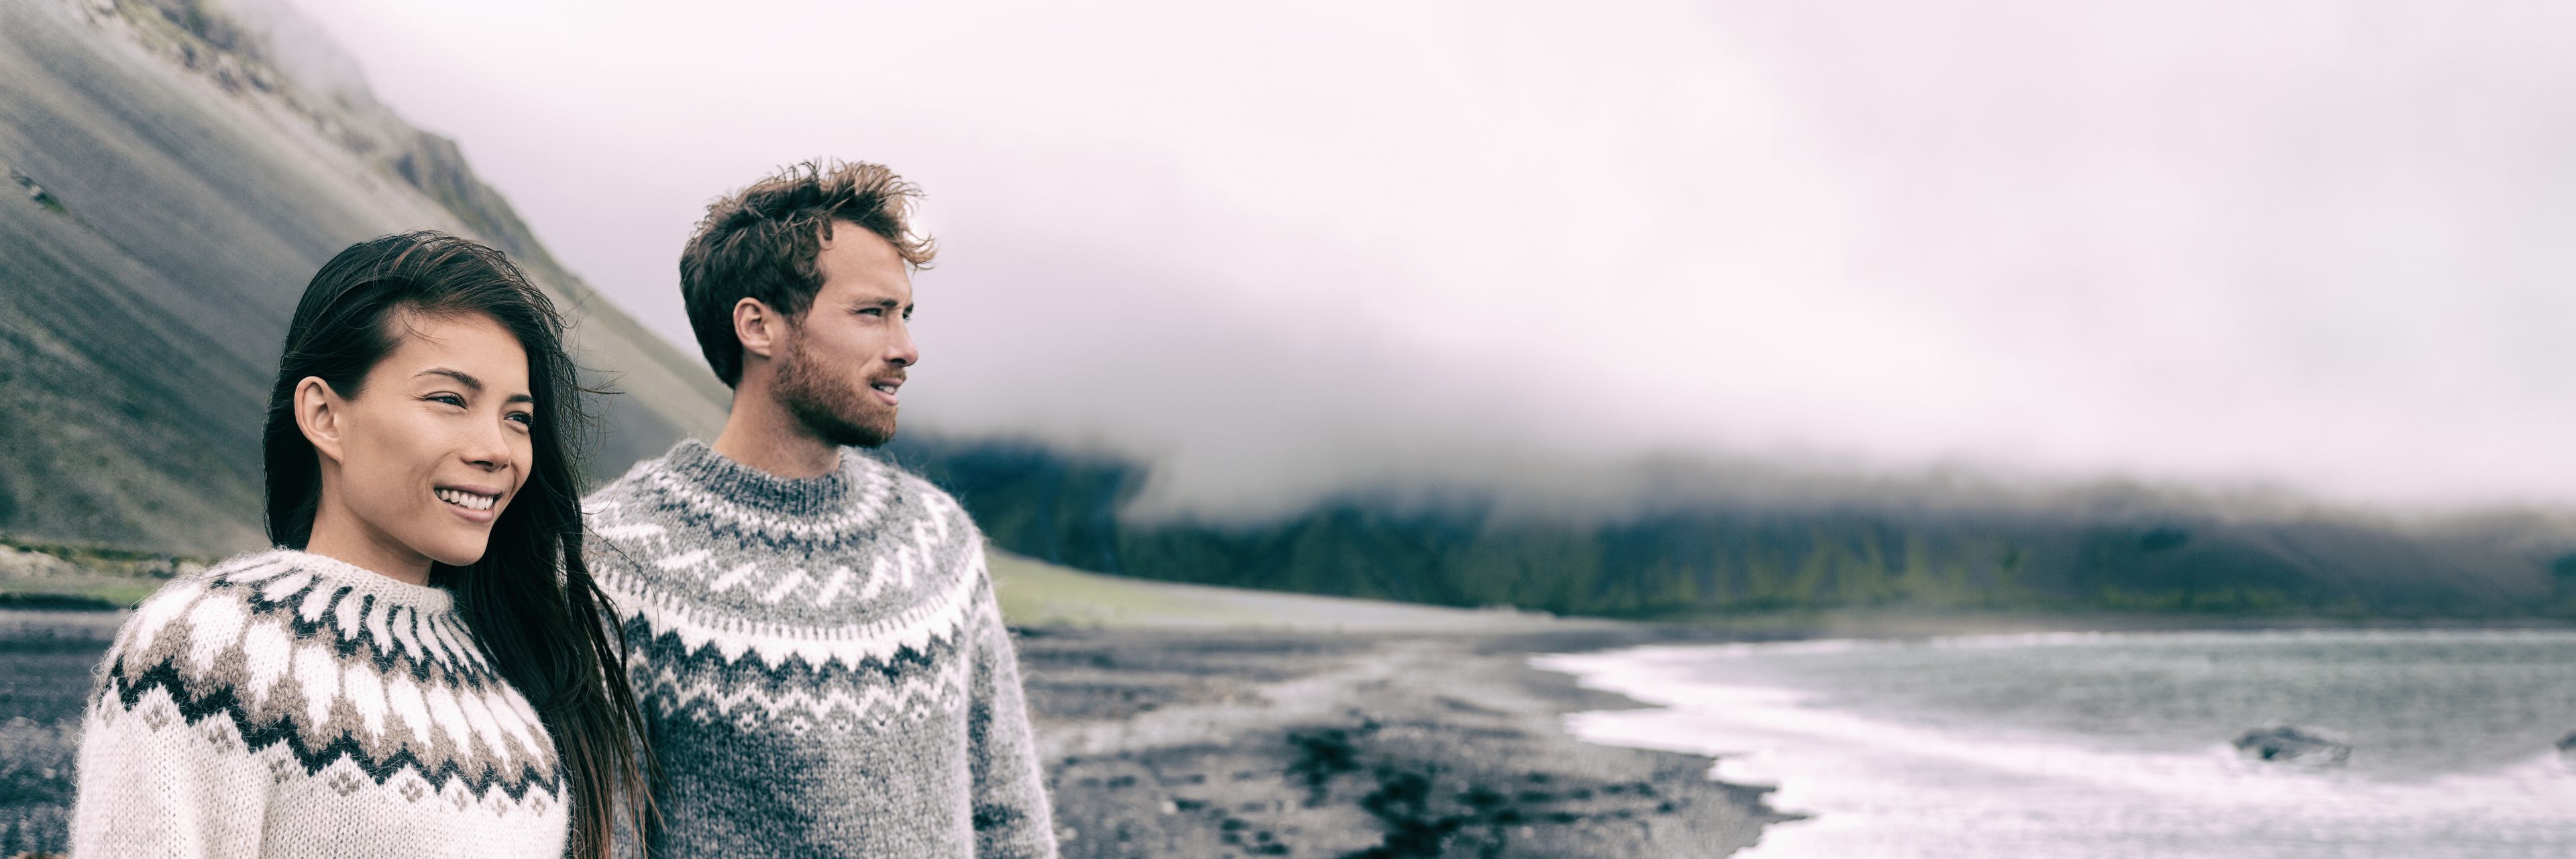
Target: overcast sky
1287	248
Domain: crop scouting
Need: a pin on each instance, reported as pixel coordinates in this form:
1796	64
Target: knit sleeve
150	782
1012	817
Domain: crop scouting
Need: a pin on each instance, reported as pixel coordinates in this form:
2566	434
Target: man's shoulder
622	521
635	482
886	468
932	499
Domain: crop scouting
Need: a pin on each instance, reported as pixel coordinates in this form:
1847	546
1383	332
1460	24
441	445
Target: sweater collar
427	599
700	466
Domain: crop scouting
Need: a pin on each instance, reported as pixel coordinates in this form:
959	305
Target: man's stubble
833	411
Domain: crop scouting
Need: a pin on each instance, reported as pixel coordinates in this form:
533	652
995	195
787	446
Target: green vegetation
1036	593
1039	594
36	574
1716	562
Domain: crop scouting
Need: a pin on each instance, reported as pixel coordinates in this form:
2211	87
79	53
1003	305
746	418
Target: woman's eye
523	418
450	399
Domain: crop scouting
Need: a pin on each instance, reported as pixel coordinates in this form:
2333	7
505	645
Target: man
821	666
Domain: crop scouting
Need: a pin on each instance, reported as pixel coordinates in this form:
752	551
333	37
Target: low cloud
1289	251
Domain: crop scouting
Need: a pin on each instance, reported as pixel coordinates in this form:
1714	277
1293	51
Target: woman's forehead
470	343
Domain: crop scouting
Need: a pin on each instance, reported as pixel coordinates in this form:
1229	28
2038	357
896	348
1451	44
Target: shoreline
1443	741
1389	744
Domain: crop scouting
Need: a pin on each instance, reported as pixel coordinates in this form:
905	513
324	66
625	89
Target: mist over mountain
1690	539
1285	251
177	174
172	190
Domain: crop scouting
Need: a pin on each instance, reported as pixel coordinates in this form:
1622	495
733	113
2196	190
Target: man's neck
760	434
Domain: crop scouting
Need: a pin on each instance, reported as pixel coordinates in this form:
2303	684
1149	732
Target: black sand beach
1355	745
1204	743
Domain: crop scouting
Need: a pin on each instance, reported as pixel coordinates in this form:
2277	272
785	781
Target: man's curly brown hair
761	243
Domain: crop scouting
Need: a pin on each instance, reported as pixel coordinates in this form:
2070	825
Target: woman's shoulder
219	601
242	625
184	646
206	600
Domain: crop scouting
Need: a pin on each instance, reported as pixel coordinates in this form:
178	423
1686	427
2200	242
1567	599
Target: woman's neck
342	536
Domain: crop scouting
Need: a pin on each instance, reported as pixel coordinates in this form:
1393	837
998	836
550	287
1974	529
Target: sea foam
1882	785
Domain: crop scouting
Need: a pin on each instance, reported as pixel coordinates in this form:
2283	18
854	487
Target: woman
420	668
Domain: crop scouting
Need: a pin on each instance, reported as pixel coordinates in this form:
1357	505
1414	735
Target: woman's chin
456	553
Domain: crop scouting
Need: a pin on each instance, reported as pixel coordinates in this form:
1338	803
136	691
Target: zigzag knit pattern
287	704
821	664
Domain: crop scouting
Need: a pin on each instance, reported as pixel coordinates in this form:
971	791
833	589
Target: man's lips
885	389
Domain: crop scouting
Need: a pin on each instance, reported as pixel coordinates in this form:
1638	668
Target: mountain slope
172	191
2115	548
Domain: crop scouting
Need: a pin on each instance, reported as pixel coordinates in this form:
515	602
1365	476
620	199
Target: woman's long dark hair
530	599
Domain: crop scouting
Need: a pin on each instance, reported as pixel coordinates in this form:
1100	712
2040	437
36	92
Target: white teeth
467	500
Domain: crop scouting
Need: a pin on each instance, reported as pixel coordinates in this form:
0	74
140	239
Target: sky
1285	249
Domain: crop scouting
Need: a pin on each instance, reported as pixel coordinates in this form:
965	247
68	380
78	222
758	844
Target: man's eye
873	311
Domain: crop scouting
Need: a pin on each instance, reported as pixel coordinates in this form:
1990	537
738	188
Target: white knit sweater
289	705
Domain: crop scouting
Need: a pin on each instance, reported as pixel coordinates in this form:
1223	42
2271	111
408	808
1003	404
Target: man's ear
759	327
318	412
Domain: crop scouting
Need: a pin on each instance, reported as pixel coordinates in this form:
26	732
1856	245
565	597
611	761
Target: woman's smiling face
435	445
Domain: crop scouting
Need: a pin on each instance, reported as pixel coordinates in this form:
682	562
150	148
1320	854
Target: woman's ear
318	411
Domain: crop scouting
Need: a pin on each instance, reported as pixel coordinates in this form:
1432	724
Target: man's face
846	355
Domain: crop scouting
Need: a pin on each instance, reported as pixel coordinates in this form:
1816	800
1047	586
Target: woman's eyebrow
459	375
468	380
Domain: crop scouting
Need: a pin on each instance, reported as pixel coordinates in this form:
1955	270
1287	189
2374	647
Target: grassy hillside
1037	593
170	192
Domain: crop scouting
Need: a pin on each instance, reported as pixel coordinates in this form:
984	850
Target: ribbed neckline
428	599
714	473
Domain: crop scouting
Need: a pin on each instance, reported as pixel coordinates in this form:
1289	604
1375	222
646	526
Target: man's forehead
848	238
866	290
860	266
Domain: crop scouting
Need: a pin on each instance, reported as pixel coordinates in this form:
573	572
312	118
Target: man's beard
830	411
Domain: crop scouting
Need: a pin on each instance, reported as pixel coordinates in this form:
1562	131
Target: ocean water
2118	745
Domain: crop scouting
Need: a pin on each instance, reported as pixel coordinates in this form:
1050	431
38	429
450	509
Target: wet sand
1344	744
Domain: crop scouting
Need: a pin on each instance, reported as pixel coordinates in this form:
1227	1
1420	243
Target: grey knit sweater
820	662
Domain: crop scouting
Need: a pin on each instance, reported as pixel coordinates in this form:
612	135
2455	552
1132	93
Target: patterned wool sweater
290	705
820	662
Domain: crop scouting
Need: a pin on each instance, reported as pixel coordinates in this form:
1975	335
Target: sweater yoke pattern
297	687
821	663
845	588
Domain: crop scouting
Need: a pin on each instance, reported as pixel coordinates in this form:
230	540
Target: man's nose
900	351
